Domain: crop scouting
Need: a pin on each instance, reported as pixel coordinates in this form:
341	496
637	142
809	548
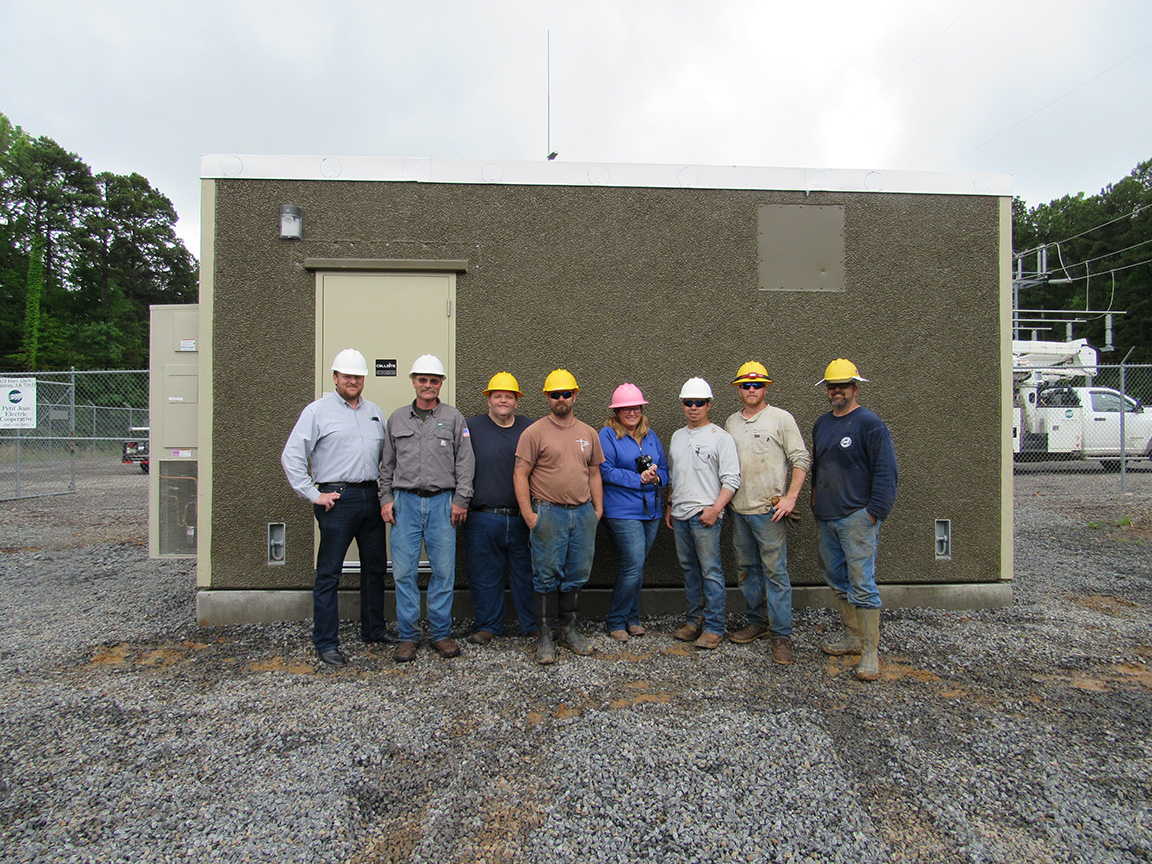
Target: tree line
1099	255
82	257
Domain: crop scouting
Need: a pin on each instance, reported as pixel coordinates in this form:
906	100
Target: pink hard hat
627	395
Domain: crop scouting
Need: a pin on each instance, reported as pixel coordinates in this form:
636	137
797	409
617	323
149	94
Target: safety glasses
561	394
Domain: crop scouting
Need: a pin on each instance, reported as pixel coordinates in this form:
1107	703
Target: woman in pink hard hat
634	470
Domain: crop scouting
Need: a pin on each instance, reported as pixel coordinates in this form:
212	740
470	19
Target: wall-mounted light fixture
291	222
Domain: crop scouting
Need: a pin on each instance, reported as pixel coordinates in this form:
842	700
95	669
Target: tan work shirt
770	446
560	457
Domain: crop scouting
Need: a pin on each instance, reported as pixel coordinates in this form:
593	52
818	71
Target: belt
502	511
425	493
341	486
542	502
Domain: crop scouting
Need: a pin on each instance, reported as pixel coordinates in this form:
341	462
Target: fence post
72	431
1123	417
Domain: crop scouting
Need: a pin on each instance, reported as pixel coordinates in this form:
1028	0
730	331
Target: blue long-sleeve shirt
624	495
853	465
333	442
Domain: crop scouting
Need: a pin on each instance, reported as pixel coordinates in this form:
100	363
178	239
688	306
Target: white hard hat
350	362
696	388
428	364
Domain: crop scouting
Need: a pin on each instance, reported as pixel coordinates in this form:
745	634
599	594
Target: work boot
869	666
781	650
850	642
566	632
545	606
689	631
750	634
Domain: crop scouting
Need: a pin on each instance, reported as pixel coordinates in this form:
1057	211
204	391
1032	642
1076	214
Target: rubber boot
568	637
545	606
850	642
869	667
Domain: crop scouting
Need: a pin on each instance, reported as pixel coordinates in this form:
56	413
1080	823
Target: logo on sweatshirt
846	441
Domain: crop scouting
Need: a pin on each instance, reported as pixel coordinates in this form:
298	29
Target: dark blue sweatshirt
853	465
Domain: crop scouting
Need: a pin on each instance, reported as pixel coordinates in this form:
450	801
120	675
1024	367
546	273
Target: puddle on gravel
1125	676
1109	605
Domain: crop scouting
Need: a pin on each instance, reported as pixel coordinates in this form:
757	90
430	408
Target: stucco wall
644	285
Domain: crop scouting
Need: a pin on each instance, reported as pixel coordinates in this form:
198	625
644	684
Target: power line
1139	209
1046	107
864	105
1116	252
1118	269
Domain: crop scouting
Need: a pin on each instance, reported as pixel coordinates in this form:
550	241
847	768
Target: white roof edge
491	172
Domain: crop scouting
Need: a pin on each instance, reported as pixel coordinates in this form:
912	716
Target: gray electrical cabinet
173	396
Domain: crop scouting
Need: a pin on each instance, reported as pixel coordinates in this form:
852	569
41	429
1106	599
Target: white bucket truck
1056	420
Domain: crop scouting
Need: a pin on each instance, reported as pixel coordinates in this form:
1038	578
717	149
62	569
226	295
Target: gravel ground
127	733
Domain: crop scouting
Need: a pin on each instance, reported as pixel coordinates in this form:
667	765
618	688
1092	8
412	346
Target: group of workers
528	497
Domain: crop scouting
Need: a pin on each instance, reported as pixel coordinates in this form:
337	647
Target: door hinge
449	307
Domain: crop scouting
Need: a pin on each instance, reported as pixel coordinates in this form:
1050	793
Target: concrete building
642	273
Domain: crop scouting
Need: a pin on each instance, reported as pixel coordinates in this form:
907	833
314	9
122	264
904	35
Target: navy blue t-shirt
853	465
495	451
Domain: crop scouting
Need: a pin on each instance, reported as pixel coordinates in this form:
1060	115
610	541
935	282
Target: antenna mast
548	86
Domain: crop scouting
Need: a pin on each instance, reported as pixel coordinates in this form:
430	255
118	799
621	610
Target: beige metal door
390	318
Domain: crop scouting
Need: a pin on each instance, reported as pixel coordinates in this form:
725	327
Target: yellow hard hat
560	379
840	371
503	381
752	371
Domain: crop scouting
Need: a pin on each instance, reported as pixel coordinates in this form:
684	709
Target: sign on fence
17	403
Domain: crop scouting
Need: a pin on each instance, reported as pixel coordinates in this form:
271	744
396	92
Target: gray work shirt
701	461
433	454
342	443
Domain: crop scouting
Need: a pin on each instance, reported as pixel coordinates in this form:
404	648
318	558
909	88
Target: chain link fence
1096	414
81	418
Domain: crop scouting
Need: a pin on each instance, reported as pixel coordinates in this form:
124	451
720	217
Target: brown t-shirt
560	457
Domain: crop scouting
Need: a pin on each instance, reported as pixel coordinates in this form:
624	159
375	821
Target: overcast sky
1056	93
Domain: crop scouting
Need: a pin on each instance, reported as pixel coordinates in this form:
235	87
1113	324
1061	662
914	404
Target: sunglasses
751	385
695	403
561	394
843	385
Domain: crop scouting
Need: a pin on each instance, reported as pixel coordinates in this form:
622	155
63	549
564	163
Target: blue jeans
563	543
762	559
354	516
430	520
633	539
848	557
698	548
495	544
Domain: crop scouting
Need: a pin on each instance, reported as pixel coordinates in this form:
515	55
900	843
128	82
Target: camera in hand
643	463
